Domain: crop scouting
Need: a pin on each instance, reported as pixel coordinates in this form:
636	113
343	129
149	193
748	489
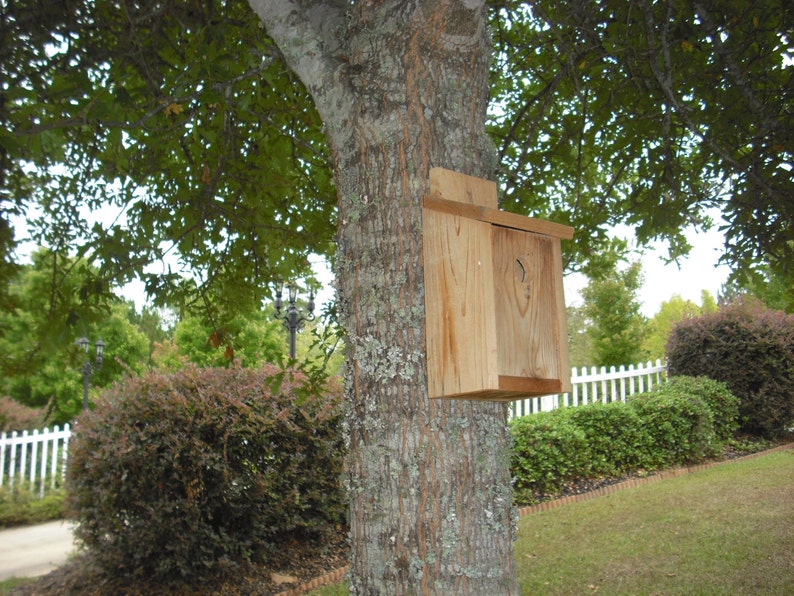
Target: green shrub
750	349
617	441
182	477
21	506
549	451
680	425
723	405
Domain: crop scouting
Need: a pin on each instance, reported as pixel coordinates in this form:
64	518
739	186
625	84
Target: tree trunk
402	87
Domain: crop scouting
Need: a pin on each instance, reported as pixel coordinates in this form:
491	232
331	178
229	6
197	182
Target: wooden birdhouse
494	304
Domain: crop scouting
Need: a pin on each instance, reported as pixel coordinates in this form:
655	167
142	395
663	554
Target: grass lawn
727	530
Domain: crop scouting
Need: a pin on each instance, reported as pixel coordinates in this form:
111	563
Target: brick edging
339	574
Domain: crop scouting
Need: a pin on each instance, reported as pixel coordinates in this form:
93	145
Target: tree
768	284
671	311
617	329
648	113
250	340
580	344
208	137
401	87
41	364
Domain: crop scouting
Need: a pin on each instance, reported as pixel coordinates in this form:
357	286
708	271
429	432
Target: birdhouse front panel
494	305
530	311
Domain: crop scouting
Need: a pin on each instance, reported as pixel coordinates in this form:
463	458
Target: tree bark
402	86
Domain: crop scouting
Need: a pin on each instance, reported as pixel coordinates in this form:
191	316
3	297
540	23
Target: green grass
723	530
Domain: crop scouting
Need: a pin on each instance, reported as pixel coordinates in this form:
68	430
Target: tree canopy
650	113
182	124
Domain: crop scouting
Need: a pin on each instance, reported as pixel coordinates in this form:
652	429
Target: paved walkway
35	550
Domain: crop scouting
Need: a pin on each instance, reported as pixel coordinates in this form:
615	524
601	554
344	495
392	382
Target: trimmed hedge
617	438
682	421
680	426
723	405
750	349
549	451
183	477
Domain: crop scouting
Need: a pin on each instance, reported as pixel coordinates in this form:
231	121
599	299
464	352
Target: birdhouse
495	310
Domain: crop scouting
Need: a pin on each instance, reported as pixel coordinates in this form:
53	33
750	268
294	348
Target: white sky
695	273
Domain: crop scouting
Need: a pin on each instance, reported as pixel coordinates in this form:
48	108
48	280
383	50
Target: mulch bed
300	571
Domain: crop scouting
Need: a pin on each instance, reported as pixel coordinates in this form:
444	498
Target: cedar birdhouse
494	304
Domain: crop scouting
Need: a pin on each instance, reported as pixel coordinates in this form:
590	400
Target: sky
693	274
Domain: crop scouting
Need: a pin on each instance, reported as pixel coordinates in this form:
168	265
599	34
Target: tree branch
310	35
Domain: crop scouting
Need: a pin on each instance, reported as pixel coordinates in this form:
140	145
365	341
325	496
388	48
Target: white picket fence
38	458
594	384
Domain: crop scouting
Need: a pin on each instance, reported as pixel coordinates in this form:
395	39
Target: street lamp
292	318
89	368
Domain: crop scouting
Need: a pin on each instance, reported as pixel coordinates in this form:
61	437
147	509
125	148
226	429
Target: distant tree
41	365
580	344
617	328
248	339
764	282
708	304
670	312
152	323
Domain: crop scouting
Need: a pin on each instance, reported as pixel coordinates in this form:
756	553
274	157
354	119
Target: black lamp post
292	318
89	368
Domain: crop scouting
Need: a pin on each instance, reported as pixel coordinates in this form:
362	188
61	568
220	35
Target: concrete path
35	550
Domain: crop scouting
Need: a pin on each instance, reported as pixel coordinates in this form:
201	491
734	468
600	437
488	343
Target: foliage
181	477
154	323
723	405
549	452
680	425
41	365
249	340
767	283
16	416
678	422
19	505
181	124
580	344
750	349
671	312
617	328
155	128
617	440
646	113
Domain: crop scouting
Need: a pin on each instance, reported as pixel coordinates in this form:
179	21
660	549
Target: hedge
682	421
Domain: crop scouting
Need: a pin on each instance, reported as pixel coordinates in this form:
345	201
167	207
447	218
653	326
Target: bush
680	425
549	451
617	441
19	505
723	405
750	349
180	478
